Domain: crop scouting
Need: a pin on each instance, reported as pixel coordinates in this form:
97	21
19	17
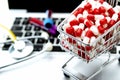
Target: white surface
48	66
44	67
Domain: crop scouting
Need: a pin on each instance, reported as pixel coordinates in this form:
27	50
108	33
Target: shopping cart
84	64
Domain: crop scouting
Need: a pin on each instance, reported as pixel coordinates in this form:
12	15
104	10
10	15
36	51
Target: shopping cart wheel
66	75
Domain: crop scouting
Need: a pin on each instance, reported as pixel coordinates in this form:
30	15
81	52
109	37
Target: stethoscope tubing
45	48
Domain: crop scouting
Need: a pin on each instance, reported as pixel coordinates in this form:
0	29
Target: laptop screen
60	6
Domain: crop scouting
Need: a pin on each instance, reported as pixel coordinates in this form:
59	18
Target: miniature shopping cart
84	63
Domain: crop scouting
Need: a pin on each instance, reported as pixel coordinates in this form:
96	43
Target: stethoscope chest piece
21	49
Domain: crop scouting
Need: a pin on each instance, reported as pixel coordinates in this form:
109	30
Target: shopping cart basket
88	55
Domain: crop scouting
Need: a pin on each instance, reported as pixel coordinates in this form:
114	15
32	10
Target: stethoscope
22	47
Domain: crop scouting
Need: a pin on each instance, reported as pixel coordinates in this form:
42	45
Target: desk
48	66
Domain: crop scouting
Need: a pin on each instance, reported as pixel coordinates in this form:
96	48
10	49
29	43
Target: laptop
20	11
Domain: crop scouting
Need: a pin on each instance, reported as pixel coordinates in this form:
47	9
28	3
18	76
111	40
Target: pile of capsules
88	21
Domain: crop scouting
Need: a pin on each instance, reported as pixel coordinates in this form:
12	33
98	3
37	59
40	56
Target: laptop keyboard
22	28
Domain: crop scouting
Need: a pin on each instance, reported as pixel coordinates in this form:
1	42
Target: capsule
88	23
94	29
101	29
89	33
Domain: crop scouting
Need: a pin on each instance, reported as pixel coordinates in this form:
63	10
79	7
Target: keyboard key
6	46
41	41
55	20
25	21
57	49
37	28
18	18
51	40
57	41
62	19
17	28
59	22
28	28
113	50
38	47
18	34
17	21
32	40
28	34
37	33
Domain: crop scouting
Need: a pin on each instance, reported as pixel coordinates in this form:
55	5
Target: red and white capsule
91	17
89	33
79	16
104	22
81	19
78	32
101	1
88	23
111	23
111	12
106	5
101	29
72	20
96	11
65	26
87	6
70	30
94	29
102	9
78	11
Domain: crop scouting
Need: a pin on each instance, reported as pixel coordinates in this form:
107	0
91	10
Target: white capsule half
76	27
79	15
86	40
94	29
115	16
99	17
82	26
